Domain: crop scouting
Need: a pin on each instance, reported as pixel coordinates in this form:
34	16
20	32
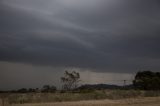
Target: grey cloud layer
31	76
106	35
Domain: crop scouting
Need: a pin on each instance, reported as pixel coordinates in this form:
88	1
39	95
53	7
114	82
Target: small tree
70	80
48	88
22	90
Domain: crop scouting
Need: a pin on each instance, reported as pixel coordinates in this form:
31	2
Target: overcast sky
101	39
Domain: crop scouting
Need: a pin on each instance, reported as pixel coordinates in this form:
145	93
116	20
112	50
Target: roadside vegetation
145	84
20	98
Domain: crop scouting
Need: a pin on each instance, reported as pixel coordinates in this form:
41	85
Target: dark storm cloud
105	35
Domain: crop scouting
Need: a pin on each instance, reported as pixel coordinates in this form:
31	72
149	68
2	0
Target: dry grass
62	97
146	101
96	98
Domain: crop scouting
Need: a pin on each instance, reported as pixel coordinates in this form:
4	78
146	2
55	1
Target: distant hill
104	86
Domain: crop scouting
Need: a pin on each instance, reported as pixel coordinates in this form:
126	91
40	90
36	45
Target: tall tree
70	80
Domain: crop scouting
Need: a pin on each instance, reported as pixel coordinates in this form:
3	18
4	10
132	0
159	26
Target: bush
48	88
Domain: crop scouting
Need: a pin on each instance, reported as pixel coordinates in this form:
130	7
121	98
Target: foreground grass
145	101
81	96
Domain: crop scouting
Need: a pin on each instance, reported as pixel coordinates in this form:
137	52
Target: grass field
146	101
95	98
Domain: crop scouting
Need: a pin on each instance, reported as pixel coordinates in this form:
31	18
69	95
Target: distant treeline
45	89
144	80
82	88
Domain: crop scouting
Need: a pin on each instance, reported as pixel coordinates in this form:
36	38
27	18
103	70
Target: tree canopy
147	80
70	80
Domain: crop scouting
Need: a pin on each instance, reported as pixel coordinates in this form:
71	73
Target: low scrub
17	98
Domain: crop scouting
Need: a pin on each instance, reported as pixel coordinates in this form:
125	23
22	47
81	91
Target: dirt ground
150	101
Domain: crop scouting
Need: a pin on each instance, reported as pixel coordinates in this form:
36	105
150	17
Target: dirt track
152	101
